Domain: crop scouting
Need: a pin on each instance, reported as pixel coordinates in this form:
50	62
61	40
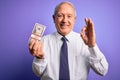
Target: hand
88	33
36	48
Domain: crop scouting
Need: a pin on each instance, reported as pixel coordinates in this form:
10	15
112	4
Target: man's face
64	19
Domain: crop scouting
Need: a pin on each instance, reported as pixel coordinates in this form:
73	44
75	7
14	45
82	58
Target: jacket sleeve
39	66
98	61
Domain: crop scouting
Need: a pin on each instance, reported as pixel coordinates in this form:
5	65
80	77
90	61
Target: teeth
64	25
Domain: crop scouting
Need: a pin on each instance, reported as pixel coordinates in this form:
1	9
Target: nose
64	19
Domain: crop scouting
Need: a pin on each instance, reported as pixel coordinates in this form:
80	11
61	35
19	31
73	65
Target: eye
69	16
59	15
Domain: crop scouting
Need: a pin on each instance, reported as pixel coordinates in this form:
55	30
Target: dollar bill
38	31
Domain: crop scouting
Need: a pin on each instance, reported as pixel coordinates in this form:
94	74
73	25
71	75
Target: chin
64	33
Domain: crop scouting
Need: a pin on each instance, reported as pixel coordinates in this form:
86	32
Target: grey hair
65	2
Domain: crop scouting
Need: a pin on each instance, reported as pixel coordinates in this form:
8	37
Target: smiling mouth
64	25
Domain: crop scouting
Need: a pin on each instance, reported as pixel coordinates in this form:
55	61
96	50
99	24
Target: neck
63	34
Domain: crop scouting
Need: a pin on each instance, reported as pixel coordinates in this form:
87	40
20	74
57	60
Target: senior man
67	55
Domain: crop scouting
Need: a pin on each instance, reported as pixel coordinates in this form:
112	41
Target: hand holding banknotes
35	45
36	48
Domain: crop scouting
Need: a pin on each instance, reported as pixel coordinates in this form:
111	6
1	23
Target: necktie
64	67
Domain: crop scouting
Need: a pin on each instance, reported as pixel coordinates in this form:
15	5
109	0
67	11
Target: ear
75	17
53	18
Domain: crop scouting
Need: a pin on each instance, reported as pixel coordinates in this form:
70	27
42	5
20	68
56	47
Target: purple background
17	18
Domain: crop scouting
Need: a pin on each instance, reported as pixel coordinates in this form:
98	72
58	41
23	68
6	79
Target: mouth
64	25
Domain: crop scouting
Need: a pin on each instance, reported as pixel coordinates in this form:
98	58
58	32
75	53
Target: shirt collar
68	36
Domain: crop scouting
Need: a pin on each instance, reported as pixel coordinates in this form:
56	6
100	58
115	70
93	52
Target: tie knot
64	39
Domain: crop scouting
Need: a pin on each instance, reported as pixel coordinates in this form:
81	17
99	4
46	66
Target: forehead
67	8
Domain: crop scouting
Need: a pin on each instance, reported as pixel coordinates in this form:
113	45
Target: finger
40	47
36	44
32	42
40	50
90	24
86	21
34	48
84	37
84	30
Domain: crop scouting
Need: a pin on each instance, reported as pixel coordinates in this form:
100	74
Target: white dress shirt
80	58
